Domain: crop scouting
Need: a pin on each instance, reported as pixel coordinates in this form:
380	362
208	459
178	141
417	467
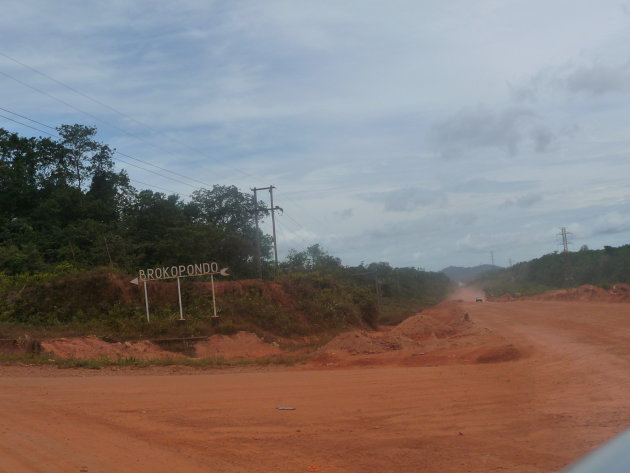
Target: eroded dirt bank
461	411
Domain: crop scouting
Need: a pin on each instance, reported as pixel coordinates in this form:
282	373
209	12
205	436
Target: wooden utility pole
256	210
272	208
273	226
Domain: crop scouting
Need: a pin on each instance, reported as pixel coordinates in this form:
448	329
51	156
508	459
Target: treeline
66	209
602	268
391	293
63	203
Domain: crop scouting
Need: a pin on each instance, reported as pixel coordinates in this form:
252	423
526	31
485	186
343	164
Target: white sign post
177	272
179	297
146	301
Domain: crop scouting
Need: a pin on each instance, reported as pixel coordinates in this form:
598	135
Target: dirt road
537	414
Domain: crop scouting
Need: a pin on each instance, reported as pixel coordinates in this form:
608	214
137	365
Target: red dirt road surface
565	393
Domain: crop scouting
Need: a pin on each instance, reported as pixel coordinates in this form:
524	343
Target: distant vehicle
478	299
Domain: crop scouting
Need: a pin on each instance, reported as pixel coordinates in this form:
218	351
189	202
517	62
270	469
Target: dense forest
62	202
603	268
66	210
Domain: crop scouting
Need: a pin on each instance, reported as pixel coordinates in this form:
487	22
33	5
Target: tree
312	259
83	155
224	206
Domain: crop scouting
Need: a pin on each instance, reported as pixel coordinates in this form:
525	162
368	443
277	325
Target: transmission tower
565	240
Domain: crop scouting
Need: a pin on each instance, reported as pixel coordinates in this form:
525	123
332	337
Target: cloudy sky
424	133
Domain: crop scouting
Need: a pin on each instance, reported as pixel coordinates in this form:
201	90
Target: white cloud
348	108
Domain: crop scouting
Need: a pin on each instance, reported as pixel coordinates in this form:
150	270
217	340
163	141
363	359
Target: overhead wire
98	119
100	103
126	132
154	186
27	126
279	222
54	135
29	119
295	234
82	94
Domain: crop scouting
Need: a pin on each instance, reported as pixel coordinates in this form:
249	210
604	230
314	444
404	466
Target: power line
78	92
29	119
62	101
281	224
153	185
82	94
27	126
163	169
56	136
100	103
96	118
115	151
126	132
158	174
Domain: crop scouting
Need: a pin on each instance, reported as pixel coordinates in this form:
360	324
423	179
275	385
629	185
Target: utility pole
273	226
257	234
565	241
273	222
492	257
568	277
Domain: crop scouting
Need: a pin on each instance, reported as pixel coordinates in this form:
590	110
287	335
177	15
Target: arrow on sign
134	281
224	272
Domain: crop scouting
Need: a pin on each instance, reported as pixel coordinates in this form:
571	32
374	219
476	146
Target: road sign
177	272
181	271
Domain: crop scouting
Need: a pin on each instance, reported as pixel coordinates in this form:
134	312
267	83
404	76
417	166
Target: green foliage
65	212
338	295
328	302
63	201
562	270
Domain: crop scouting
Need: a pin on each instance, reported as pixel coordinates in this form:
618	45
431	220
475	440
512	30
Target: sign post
214	303
179	296
146	301
177	272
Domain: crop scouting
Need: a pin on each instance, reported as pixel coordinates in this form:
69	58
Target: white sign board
176	272
180	271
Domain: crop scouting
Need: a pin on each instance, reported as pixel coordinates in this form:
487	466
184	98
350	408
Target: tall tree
83	156
224	206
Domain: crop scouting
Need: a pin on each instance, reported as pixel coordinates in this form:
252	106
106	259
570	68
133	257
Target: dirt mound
445	320
441	321
442	334
94	347
361	342
243	345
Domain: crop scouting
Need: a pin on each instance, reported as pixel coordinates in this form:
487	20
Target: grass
131	362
